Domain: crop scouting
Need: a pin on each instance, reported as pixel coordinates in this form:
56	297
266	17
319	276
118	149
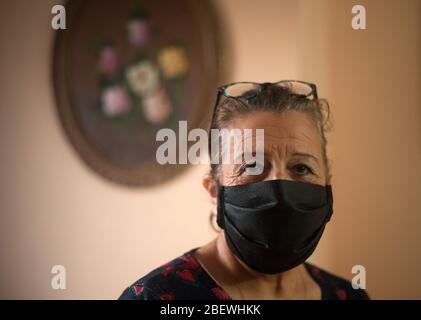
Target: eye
252	165
245	165
302	169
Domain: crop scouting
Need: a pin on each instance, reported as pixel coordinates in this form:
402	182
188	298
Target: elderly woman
270	222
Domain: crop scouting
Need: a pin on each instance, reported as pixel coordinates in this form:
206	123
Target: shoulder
333	286
176	279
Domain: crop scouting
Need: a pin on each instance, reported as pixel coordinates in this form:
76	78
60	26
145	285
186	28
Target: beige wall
376	83
53	210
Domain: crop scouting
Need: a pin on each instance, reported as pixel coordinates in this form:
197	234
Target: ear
210	185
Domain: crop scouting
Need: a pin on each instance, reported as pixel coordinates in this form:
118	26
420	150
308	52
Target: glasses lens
244	90
299	88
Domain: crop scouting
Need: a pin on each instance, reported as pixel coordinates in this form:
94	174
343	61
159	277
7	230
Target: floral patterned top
183	278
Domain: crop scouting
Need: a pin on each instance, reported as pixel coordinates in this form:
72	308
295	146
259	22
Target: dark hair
274	99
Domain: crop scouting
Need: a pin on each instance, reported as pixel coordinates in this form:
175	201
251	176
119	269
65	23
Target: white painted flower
157	107
173	61
115	101
143	78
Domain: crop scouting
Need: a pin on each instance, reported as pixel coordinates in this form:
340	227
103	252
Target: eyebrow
305	155
294	154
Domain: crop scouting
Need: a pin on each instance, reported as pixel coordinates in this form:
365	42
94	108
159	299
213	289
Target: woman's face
292	149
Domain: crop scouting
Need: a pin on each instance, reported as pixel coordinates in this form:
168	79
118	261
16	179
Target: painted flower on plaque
108	63
143	78
115	101
157	107
173	61
139	32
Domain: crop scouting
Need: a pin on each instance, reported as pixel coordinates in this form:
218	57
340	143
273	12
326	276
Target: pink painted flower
115	101
138	32
108	61
157	108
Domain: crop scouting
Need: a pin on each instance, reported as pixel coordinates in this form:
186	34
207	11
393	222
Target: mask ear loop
330	201
220	211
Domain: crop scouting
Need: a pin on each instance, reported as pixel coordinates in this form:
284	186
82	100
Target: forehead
293	128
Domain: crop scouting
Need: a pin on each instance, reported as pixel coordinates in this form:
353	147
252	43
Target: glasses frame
223	88
221	91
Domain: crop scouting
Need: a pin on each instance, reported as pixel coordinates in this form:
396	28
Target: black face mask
273	226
